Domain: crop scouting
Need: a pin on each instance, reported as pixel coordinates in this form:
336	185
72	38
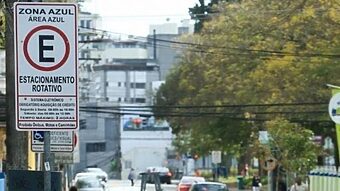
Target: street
124	185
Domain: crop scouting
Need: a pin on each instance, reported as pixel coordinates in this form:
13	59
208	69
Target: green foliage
256	52
292	145
2	25
203	12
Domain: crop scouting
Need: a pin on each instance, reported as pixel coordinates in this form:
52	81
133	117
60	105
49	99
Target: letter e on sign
42	48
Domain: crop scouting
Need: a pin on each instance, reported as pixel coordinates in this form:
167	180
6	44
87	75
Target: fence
326	178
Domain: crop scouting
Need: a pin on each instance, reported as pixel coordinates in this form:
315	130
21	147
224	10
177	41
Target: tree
259	52
291	141
2	25
201	13
16	142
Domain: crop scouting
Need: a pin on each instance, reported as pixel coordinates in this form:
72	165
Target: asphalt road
124	185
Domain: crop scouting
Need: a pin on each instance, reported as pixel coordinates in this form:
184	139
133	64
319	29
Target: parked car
186	182
102	174
208	186
89	183
82	175
164	174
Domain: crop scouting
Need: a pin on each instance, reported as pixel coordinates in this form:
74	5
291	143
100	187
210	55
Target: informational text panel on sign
46	66
61	141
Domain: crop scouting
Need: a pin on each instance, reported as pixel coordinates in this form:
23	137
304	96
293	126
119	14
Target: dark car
164	174
208	186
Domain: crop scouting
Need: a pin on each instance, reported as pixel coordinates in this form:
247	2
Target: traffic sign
269	164
46	66
216	157
334	108
61	141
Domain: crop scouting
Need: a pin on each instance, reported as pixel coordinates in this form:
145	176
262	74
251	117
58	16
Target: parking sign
46	66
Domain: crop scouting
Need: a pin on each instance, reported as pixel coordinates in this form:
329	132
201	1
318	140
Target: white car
89	183
100	173
82	175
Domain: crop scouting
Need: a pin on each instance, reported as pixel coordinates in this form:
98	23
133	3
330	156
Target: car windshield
209	187
88	183
93	170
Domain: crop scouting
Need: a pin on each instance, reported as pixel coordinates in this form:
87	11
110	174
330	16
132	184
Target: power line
243	50
254	119
217	106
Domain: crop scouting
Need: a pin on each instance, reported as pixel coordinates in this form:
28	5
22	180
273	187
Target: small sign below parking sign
61	141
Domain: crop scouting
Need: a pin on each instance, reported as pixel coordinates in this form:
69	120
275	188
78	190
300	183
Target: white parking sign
46	66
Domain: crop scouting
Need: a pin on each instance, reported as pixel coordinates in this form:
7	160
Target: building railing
325	178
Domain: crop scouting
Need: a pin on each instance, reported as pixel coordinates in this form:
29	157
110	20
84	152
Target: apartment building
119	78
124	74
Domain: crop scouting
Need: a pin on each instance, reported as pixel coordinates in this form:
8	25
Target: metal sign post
216	159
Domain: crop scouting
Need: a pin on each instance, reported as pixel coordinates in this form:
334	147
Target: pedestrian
197	172
256	183
282	186
246	170
73	188
299	185
132	176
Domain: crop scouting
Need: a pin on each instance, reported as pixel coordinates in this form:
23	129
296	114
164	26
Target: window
137	85
95	147
140	100
82	23
88	23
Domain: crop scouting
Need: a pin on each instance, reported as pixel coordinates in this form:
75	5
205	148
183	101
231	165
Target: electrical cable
243	50
218	106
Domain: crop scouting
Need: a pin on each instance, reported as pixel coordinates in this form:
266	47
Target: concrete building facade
117	75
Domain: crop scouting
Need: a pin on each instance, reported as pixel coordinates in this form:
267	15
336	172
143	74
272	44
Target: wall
143	148
99	128
124	53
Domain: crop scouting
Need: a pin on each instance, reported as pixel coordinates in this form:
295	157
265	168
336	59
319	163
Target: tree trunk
16	142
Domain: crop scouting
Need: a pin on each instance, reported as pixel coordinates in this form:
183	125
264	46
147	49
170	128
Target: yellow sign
269	163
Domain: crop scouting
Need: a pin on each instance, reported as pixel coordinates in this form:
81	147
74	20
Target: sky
133	17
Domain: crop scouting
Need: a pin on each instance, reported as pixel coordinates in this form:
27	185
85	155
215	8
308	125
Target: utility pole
16	141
